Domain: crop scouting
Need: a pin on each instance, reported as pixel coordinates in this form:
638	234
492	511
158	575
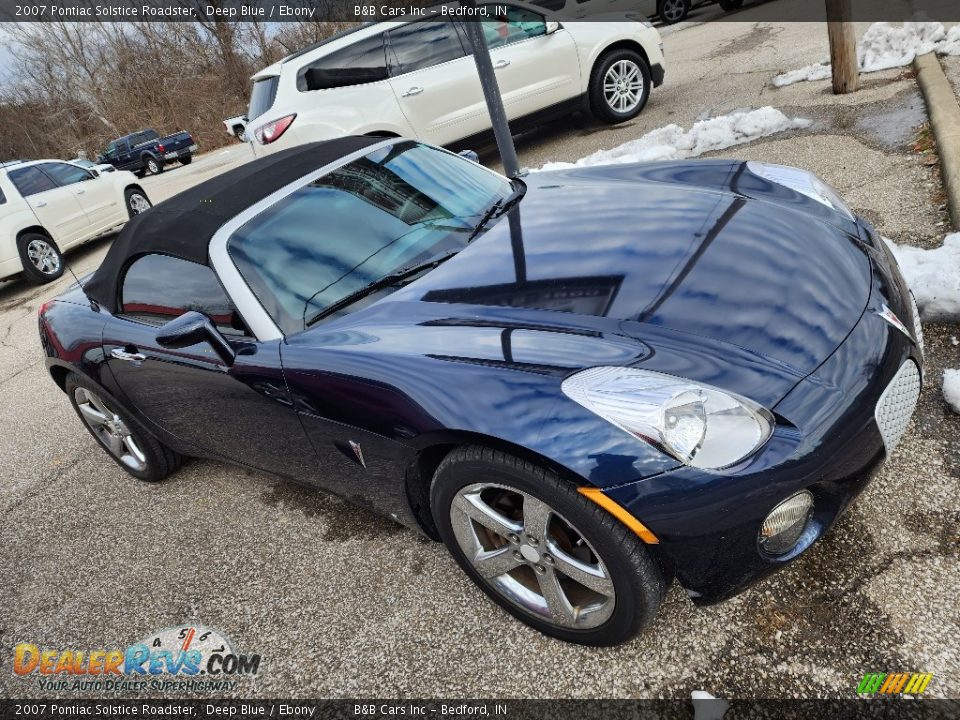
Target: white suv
49	206
418	79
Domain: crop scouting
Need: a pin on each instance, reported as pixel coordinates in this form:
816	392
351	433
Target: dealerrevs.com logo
899	683
183	658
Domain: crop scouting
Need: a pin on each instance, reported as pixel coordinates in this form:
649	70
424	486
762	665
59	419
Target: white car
50	206
418	79
236	126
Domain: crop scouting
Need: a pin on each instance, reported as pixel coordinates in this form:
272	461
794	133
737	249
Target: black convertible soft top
183	225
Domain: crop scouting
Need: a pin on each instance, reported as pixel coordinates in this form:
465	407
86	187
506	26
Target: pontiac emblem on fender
888	315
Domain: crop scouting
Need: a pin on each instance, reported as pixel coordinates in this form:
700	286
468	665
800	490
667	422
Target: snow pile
672	142
820	71
951	389
886	46
934	277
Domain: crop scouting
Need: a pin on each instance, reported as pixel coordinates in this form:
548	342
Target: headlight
803	182
697	424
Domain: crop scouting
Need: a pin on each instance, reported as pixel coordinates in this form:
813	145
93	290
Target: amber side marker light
596	495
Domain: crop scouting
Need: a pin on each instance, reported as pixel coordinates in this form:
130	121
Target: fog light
785	524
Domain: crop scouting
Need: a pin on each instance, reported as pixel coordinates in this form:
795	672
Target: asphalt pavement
341	602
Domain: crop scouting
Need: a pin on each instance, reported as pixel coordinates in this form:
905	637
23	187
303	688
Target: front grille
897	403
917	328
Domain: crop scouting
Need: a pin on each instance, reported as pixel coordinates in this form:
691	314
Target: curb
945	121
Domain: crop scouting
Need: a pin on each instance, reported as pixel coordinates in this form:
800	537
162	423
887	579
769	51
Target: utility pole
843	47
491	91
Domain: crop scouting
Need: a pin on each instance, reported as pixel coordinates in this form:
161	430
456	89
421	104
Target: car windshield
383	215
84	163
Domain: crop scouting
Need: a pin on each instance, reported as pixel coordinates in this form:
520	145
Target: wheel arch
39	229
432	450
136	188
59	374
623	44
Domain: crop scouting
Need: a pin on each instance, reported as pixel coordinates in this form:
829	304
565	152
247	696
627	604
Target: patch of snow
707	707
819	71
672	142
934	277
886	46
951	389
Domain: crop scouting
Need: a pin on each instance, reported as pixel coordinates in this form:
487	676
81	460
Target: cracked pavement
341	602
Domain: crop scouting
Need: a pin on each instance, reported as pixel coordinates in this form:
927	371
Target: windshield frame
248	305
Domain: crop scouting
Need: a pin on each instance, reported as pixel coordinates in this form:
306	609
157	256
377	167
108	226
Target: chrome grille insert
897	403
917	327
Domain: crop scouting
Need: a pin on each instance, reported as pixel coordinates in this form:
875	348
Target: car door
535	69
242	412
97	196
125	158
56	207
435	82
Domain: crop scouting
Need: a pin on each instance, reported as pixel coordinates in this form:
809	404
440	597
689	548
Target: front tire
41	258
673	11
125	440
542	551
620	86
137	201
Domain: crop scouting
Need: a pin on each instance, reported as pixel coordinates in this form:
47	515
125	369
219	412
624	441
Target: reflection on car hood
650	248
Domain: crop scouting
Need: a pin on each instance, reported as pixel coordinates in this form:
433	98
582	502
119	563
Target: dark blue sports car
586	383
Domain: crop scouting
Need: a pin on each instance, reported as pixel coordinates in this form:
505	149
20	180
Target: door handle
133	357
415	90
40	203
80	192
499	64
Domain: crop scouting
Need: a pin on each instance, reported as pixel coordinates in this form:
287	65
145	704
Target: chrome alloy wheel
671	11
623	86
110	429
532	556
43	257
138	203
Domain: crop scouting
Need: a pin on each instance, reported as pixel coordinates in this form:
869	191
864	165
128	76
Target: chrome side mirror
552	27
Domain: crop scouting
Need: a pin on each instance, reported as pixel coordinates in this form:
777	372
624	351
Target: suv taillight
159	147
266	134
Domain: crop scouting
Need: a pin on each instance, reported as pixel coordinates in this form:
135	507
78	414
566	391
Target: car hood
643	250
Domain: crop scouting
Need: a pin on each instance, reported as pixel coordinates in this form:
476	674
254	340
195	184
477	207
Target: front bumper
827	441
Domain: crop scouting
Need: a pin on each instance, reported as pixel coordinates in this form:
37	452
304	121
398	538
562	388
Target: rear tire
153	166
185	159
41	258
125	440
543	552
619	86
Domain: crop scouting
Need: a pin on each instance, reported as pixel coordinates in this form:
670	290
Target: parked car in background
587	383
90	165
418	79
146	152
236	125
668	11
50	206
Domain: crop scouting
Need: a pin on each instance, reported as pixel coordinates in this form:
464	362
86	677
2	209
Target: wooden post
843	47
